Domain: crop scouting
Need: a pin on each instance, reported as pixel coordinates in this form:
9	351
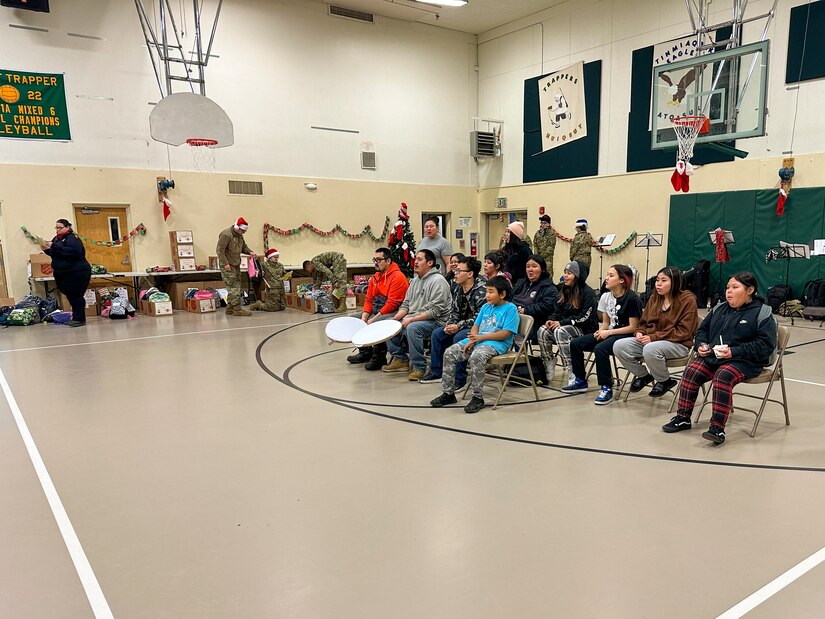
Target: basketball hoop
203	153
687	129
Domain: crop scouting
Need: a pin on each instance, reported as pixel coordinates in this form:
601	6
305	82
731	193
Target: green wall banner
33	106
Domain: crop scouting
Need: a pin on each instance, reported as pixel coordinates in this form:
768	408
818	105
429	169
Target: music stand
728	240
788	251
647	241
604	241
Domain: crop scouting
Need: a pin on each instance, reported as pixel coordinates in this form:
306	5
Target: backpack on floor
21	317
813	295
777	295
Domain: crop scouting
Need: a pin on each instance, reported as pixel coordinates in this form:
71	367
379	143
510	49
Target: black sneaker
640	382
677	424
376	362
429	378
715	435
475	405
443	400
660	389
362	356
76	323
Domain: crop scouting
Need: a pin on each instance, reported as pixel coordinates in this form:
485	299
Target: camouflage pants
476	362
274	299
232	281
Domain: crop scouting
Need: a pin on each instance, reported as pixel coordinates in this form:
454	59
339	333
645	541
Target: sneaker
677	424
415	375
605	396
376	362
76	323
660	389
715	435
429	378
640	382
577	386
475	405
362	356
396	365
443	400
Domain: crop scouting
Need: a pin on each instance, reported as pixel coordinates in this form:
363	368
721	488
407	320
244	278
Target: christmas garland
139	229
367	231
606	252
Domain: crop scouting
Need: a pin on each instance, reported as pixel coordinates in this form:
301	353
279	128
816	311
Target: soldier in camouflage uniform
546	243
231	245
582	244
274	278
331	266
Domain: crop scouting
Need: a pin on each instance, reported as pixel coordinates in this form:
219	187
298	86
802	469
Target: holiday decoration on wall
140	229
367	231
599	248
402	242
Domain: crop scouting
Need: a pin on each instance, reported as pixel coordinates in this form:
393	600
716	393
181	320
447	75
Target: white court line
773	587
84	569
147	337
805	382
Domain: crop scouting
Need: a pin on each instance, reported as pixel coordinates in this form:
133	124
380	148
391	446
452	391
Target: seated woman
669	322
493	265
535	294
574	315
734	342
450	274
620	309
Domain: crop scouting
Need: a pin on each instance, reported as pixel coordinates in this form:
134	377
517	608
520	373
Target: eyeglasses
377	260
463	271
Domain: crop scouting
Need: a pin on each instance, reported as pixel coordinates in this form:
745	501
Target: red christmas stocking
780	202
676	177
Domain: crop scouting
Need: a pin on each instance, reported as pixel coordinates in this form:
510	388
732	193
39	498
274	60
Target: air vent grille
482	144
341	11
246	188
367	160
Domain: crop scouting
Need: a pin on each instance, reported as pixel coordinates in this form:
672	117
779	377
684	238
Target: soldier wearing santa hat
231	245
273	282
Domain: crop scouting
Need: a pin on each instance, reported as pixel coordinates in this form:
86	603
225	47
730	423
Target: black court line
805	344
610	452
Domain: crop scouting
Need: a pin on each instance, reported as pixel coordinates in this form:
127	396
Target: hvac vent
340	11
482	144
367	160
246	188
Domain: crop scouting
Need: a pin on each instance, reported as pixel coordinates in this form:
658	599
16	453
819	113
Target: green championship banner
33	106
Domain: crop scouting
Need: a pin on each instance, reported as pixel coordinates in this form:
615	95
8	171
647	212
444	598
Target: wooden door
4	292
497	224
100	223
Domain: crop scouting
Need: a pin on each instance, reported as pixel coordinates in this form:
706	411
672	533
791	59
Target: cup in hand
720	349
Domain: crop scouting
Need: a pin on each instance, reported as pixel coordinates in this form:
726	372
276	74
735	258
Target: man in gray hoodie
425	307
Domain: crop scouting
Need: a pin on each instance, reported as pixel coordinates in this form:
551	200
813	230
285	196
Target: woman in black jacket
516	252
734	342
71	270
535	294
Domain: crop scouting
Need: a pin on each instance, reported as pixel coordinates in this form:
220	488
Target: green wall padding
574	160
751	215
810	17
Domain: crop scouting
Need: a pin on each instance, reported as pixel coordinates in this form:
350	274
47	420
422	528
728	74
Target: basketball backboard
728	86
184	115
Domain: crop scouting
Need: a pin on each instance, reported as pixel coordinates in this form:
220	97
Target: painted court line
773	587
94	593
804	382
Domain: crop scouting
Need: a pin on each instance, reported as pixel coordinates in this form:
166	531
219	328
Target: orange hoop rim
692	122
201	142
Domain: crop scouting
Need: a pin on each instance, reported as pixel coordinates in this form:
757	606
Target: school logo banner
33	106
561	103
674	98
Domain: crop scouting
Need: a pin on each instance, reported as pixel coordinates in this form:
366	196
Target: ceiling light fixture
444	2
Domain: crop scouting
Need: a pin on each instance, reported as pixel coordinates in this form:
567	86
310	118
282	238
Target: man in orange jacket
385	293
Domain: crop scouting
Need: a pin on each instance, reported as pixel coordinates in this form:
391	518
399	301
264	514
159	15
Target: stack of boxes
183	250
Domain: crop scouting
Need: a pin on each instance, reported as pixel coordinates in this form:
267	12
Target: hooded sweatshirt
429	295
584	317
678	323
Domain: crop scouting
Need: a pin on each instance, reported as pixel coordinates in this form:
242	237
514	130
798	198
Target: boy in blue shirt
492	334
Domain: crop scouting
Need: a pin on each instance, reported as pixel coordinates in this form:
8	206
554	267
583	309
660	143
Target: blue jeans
439	342
414	336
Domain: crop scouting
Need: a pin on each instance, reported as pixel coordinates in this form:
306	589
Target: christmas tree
402	242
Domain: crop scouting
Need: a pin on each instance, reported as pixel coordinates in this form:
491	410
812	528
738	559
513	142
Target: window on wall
114	229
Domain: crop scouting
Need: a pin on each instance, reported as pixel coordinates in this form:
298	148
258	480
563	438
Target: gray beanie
573	267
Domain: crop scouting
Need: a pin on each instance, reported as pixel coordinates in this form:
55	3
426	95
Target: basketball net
687	129
203	153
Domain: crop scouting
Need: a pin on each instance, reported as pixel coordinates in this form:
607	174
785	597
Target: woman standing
573	315
536	294
734	342
71	270
516	252
666	331
620	310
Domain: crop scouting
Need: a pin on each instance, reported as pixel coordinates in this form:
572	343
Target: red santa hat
240	224
272	252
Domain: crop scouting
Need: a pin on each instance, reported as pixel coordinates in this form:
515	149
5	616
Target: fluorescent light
444	2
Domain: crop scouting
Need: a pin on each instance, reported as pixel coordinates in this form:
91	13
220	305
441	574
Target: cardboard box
41	265
149	308
244	263
214	264
293	301
6	302
184	251
185	264
91	302
180	236
360	299
202	306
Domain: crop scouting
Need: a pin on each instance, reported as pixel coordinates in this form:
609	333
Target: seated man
492	334
425	307
468	299
331	266
385	293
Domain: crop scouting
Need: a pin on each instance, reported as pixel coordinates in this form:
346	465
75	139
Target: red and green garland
139	230
606	252
367	231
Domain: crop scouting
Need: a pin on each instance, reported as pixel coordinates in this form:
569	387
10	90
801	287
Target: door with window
104	223
497	224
